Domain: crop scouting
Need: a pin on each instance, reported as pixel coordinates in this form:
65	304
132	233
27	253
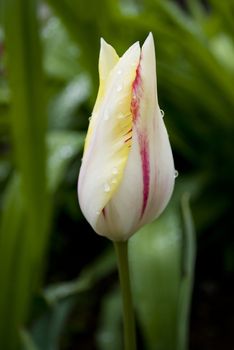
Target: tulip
127	173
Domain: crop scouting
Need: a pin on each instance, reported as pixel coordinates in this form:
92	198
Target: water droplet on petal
120	116
106	187
106	116
114	181
115	171
176	174
119	88
119	71
162	113
98	212
90	118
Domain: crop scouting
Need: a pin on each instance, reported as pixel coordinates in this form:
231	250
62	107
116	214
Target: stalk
121	249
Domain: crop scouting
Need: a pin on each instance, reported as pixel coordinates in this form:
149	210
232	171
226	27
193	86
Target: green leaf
23	242
155	258
65	104
27	341
48	328
62	147
61	55
89	276
161	290
109	333
12	259
46	331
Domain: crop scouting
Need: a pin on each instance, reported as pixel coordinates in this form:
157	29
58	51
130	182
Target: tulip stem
121	249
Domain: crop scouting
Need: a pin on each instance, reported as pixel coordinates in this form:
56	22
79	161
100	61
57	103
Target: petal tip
134	47
104	44
149	42
107	59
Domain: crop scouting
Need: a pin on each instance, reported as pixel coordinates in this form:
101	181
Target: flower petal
108	58
123	211
109	142
153	137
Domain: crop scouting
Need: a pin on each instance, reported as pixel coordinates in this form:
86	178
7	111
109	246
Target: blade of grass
26	242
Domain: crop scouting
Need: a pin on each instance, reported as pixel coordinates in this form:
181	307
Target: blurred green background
58	279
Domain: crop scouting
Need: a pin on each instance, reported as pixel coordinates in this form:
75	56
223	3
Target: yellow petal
109	142
108	58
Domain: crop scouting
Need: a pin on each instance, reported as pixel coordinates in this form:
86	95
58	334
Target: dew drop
120	116
162	113
119	88
115	171
119	71
106	116
90	118
114	181
98	212
106	187
176	174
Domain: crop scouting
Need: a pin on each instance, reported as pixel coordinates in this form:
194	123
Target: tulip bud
127	173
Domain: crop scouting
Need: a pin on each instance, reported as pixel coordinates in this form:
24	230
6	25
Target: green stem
121	249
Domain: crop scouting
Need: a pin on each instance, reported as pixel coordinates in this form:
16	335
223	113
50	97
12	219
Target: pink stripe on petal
136	94
142	137
145	164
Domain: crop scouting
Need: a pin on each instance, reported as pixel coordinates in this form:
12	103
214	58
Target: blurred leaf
64	106
109	333
62	147
26	238
27	341
224	9
61	59
4	170
4	95
90	275
197	10
156	258
222	47
48	329
28	113
11	223
70	18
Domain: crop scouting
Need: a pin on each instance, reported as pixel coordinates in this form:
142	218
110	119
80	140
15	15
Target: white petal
152	125
123	210
107	151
